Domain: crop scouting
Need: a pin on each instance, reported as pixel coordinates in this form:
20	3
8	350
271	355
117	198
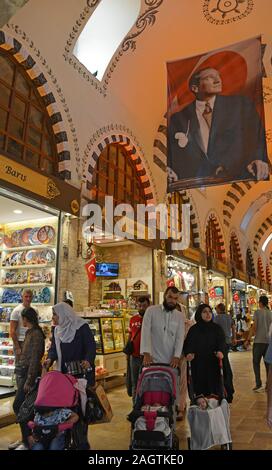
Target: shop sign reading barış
19	175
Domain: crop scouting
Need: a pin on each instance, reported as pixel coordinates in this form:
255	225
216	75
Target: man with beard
135	326
163	331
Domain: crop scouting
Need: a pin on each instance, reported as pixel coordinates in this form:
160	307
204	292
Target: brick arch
21	55
266	225
260	269
213	216
270	259
186	199
234	237
134	155
249	259
234	195
268	274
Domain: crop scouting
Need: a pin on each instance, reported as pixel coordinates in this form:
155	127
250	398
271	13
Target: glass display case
7	358
108	334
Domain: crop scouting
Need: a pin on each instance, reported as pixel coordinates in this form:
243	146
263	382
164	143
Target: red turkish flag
91	267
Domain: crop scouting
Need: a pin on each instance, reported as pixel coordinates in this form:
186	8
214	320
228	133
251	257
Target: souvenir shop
119	272
183	271
30	232
217	284
238	289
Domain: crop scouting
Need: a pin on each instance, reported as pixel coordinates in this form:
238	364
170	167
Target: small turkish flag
91	267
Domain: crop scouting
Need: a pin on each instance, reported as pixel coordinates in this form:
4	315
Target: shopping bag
98	400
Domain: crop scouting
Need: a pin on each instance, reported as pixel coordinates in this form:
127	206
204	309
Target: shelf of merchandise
112	292
8	348
6	380
29	266
28	247
7	355
27	285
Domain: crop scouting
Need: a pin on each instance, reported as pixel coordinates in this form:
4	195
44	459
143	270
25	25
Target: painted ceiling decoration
233	197
222	12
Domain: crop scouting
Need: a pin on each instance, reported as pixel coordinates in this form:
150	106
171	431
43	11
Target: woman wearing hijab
203	346
73	347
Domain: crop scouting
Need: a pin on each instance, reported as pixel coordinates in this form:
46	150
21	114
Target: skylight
103	33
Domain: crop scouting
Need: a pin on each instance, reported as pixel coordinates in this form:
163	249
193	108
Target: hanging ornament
91	266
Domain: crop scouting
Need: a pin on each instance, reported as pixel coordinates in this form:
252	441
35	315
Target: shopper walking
183	391
28	367
228	326
135	326
260	328
163	331
17	330
203	346
73	346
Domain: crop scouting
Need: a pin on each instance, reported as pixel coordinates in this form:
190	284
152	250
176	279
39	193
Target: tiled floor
248	426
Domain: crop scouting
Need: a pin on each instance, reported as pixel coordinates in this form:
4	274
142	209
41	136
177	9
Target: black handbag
93	412
26	410
129	347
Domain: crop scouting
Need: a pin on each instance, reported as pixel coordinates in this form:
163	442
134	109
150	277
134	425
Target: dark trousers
259	350
135	369
18	401
228	376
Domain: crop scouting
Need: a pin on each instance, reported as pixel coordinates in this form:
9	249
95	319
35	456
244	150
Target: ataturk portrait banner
215	119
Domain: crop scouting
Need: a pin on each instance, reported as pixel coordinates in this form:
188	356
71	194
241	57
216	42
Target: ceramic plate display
46	234
33	239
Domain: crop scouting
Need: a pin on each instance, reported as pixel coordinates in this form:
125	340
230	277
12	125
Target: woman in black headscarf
204	346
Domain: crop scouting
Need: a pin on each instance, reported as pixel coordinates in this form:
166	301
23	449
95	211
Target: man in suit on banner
216	138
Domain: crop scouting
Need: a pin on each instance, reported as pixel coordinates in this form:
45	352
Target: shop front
183	272
123	272
253	294
238	287
217	282
30	237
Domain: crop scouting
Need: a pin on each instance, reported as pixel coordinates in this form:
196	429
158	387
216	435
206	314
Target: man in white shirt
17	330
163	331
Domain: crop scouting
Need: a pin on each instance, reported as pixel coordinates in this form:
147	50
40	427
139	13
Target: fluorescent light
18	211
266	242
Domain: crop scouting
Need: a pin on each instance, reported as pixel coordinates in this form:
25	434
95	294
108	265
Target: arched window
115	175
214	242
250	264
103	33
235	253
176	198
25	127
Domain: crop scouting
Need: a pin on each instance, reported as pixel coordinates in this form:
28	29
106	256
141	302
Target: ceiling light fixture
18	211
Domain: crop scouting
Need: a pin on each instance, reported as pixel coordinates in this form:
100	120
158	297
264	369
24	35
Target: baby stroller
153	414
56	391
211	426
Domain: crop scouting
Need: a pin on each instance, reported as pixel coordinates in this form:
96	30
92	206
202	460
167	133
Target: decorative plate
46	234
33	239
8	241
25	236
16	237
48	255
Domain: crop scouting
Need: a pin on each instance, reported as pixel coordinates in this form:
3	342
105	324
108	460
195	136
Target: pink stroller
56	391
153	415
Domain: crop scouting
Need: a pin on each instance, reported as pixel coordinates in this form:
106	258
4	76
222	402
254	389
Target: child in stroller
56	412
153	415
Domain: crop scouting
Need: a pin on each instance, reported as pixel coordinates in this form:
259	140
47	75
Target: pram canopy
157	379
57	390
